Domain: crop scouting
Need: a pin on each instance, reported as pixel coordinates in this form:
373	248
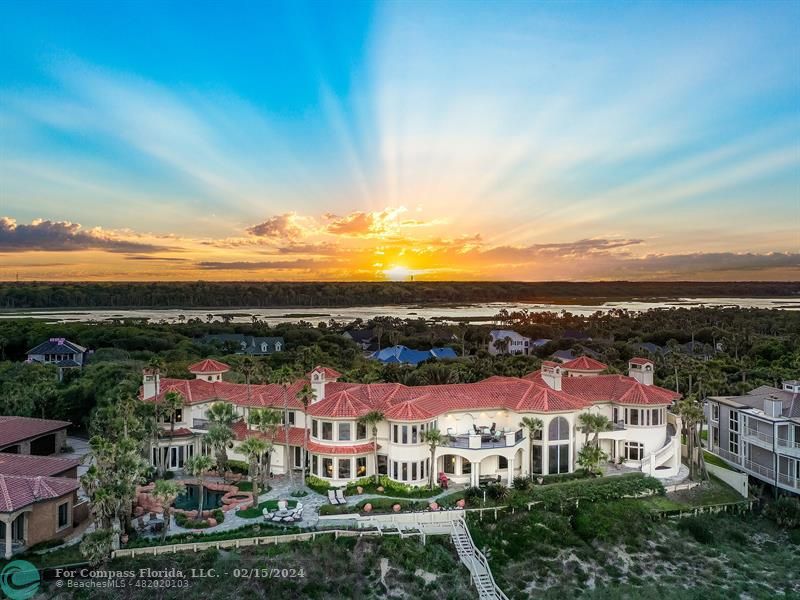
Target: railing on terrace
474	441
729	456
787	443
760	469
201	423
764	437
793	482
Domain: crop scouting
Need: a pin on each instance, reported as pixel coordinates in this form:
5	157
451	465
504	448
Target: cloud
366	224
259	265
64	236
282	226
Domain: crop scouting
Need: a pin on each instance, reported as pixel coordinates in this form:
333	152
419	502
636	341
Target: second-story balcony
762	438
484	440
201	424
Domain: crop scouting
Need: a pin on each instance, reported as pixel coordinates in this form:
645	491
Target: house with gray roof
245	344
759	433
59	352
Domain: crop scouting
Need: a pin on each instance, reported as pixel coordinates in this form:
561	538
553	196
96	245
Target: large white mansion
480	420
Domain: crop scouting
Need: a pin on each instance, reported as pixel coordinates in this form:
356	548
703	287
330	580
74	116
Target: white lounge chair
265	512
276	519
282	504
340	497
299	507
332	497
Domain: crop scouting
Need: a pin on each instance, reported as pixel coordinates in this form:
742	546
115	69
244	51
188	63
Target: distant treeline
203	294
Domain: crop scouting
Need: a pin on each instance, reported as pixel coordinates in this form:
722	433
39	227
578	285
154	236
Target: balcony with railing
755	435
762	470
729	456
482	441
201	424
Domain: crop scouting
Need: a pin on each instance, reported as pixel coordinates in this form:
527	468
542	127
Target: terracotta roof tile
584	363
209	365
18	491
35	466
640	361
17	429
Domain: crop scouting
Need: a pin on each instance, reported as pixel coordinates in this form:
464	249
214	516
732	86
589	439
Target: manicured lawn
715	460
270	505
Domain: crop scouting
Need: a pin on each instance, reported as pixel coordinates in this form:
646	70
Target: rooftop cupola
209	370
151	383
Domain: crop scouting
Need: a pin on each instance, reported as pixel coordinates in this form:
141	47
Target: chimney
773	407
151	384
551	374
319	377
641	369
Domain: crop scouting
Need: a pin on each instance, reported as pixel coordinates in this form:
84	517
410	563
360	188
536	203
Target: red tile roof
407	411
179	432
550	363
339	449
17	429
414	403
326	371
209	365
20	491
584	363
35	466
640	361
242	432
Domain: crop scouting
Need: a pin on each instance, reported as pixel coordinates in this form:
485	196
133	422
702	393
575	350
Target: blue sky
450	140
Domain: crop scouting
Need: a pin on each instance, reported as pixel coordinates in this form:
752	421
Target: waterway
473	313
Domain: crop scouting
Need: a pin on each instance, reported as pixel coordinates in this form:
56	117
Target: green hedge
238	466
391	488
318	485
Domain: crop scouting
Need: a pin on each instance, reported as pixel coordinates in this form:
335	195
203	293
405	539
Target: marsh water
475	313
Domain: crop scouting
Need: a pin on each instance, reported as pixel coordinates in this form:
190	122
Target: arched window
558	430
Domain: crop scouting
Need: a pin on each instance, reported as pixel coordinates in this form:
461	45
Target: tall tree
692	417
173	402
372	419
534	425
434	439
197	466
254	448
284	377
166	491
306	396
266	421
220	438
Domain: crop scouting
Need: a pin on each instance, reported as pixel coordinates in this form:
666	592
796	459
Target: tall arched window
558	452
559	429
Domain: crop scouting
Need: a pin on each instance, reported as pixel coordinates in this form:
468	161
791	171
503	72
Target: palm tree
434	439
247	366
219	438
254	448
593	423
691	414
371	419
156	365
266	421
534	425
197	467
173	402
285	377
305	396
590	458
165	491
222	413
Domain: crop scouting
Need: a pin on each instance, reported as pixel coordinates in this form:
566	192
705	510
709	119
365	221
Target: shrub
522	484
238	466
317	484
556	496
473	494
785	511
698	528
497	492
608	521
563	477
299	493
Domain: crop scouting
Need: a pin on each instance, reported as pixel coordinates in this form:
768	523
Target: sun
398	273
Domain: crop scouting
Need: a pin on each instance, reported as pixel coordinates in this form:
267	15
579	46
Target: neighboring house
365	338
26	435
506	341
650	348
245	344
540	342
38	500
409	356
481	421
759	433
59	352
564	356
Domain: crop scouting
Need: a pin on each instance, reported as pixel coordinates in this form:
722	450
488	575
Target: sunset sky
355	140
